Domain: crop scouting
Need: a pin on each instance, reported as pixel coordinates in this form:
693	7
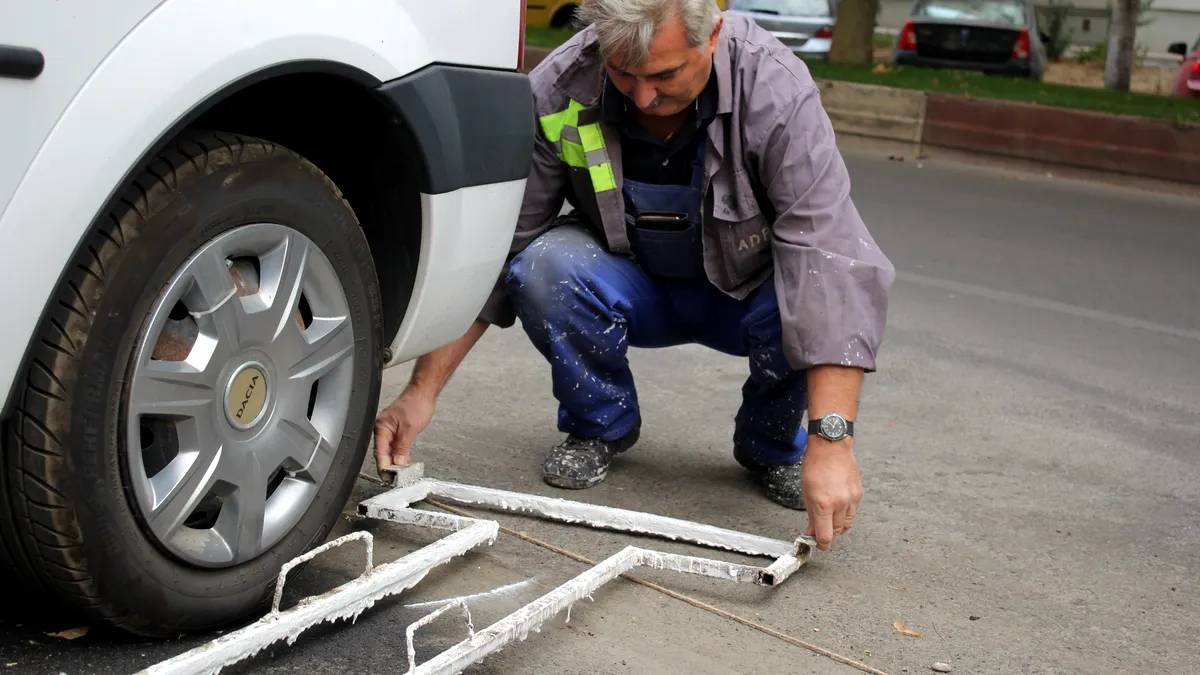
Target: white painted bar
608	517
517	626
344	602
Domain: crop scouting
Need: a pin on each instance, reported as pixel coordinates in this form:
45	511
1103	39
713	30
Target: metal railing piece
590	515
411	631
376	582
344	602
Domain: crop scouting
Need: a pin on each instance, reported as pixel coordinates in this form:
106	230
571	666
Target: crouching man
712	207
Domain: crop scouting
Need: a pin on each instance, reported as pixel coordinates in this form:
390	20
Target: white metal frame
377	582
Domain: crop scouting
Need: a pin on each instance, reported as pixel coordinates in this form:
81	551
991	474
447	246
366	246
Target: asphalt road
1028	444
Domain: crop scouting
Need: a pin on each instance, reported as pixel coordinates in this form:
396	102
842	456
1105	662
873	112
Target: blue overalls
582	307
673	250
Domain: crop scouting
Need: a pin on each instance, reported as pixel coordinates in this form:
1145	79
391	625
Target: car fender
172	65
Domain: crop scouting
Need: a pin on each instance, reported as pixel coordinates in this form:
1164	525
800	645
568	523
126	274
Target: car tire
74	485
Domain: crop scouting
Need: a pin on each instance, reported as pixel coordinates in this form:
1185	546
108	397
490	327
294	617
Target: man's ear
716	32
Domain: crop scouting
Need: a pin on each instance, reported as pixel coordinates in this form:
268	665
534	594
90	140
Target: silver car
806	26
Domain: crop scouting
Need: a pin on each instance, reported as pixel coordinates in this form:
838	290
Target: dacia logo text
246	397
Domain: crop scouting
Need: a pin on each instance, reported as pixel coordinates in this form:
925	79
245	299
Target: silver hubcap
239	396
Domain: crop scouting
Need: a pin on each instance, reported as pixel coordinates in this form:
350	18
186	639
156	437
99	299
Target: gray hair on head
628	27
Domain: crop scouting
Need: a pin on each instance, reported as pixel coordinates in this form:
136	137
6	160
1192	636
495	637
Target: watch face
833	426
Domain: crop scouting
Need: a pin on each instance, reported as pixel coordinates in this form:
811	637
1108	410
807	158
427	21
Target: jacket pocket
744	230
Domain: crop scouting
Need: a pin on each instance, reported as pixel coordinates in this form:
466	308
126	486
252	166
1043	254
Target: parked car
557	14
990	36
1187	78
213	239
806	26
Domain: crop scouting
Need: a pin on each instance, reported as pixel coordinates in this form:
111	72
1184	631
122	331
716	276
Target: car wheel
564	18
199	394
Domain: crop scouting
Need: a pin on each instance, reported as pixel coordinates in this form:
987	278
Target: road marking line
1049	305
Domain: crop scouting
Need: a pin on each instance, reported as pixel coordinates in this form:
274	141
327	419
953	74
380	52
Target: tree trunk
1122	34
854	34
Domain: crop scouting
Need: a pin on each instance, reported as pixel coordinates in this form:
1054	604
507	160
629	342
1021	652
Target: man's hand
832	487
398	426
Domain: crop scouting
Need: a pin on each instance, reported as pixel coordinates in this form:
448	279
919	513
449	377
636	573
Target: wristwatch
832	427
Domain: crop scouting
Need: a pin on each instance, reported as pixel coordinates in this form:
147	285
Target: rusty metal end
245	278
176	340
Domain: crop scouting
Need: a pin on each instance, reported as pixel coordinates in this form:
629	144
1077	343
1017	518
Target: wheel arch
304	80
332	115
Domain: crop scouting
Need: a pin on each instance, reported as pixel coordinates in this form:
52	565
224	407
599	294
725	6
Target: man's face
672	76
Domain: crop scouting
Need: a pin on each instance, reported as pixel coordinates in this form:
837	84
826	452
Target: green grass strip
1172	109
546	37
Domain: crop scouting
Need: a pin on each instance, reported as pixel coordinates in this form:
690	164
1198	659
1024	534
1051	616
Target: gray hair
628	27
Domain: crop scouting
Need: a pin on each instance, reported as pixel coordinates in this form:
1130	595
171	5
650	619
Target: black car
991	36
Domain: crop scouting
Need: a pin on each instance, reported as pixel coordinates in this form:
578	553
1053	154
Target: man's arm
831	481
433	371
833	285
833	280
834	389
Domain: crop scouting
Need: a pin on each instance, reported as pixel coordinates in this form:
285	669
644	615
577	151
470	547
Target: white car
219	221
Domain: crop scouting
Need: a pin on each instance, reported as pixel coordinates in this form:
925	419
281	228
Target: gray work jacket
771	136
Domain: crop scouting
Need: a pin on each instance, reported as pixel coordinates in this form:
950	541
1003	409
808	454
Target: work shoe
781	483
579	463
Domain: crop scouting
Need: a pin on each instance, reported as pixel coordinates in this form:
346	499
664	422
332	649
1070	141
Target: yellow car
559	13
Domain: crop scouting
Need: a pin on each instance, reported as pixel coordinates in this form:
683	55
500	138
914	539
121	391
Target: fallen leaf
70	633
9	665
904	630
881	68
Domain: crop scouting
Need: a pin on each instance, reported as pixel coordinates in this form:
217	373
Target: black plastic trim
21	63
164	139
473	126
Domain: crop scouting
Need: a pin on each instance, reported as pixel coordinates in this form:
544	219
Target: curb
534	56
1119	144
1122	145
873	111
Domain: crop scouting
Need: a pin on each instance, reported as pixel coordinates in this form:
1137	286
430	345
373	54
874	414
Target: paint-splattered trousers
583	307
